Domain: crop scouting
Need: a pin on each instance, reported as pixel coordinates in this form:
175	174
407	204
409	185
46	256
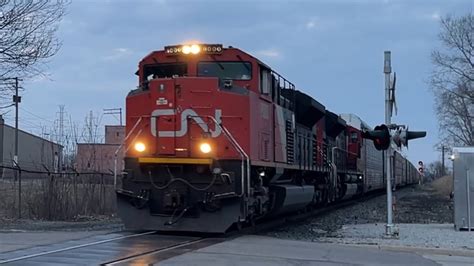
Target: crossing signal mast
386	134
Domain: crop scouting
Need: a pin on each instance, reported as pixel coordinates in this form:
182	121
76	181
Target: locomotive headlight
187	49
205	148
195	49
140	147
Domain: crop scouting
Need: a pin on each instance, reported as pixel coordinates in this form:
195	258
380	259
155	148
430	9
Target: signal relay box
463	173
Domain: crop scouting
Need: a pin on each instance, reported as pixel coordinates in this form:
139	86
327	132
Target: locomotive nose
184	119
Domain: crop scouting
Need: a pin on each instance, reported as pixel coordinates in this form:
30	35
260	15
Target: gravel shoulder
423	214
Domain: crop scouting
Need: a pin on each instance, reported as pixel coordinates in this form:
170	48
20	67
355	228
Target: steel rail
300	217
74	247
155	251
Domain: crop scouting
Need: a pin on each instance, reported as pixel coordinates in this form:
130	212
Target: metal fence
46	195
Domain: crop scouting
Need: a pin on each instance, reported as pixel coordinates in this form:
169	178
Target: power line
114	111
35	115
7	106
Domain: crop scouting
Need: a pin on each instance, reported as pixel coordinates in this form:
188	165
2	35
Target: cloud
268	53
121	50
311	23
117	53
322	23
435	15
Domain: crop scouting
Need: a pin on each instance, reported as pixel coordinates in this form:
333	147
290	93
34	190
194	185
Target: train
216	139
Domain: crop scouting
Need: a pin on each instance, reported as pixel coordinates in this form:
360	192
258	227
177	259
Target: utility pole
91	127
17	100
390	229
443	171
114	111
61	124
61	136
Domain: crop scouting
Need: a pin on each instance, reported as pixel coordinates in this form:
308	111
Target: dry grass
443	185
65	198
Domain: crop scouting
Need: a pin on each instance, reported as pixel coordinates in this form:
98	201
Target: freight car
217	138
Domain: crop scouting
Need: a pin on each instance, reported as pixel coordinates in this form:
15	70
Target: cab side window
265	82
354	137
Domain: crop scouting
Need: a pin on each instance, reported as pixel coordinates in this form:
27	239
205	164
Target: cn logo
184	125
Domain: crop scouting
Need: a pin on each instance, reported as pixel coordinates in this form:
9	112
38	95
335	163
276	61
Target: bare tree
452	80
28	34
434	170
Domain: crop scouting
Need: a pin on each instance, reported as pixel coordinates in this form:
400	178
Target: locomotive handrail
334	167
333	163
243	155
120	147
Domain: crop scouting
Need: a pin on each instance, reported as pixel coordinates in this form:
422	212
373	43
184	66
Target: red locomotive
215	137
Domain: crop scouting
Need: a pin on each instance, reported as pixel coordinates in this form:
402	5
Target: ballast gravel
423	215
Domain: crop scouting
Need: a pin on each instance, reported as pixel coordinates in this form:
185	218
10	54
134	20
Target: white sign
161	101
188	113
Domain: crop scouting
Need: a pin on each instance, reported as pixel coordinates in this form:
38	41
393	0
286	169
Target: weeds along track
58	197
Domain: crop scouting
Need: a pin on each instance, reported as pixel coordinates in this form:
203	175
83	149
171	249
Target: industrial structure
34	153
463	172
99	157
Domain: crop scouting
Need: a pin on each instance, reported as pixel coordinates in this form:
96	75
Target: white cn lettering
184	125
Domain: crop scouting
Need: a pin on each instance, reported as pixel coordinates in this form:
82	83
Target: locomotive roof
355	121
228	48
334	124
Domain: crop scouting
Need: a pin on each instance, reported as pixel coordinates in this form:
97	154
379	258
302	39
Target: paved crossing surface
261	250
150	248
93	250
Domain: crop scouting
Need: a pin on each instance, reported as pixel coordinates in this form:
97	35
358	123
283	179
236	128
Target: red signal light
380	136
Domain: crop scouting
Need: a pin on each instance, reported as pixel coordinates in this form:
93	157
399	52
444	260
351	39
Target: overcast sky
332	50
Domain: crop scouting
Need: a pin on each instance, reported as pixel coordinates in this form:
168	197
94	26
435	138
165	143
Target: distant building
114	134
34	153
99	157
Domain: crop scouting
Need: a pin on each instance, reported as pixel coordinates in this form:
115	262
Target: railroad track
113	249
303	215
147	247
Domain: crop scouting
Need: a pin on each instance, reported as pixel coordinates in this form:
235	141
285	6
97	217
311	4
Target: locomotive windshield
225	70
165	70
